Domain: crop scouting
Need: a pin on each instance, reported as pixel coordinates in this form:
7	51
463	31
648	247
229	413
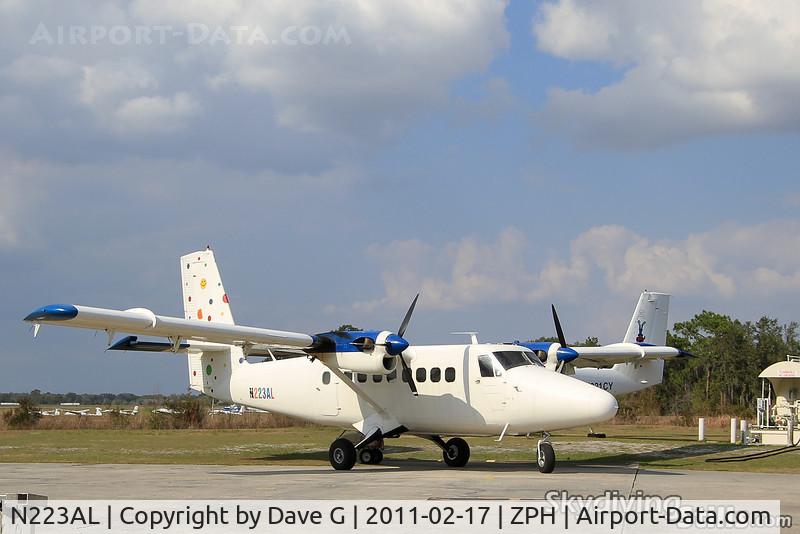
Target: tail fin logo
640	337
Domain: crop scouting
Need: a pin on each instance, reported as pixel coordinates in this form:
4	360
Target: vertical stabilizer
204	297
649	322
648	326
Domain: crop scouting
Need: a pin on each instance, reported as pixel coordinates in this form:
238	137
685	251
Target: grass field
649	446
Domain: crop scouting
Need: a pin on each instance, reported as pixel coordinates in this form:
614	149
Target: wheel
546	458
456	452
342	454
370	456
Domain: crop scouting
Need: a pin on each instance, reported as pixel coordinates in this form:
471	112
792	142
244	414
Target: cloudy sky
341	156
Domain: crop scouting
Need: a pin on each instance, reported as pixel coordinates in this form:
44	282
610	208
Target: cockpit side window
488	366
534	359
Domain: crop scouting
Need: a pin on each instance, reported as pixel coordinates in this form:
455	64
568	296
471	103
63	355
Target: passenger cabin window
513	358
406	374
377	378
421	374
326	377
348	374
450	374
436	374
361	377
391	377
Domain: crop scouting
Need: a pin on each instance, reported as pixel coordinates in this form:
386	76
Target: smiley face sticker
203	283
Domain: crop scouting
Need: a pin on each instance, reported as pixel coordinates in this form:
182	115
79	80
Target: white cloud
397	58
455	275
32	69
690	67
20	184
727	261
378	65
45	204
155	113
110	80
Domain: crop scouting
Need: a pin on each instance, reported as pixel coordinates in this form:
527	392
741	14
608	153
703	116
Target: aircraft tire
456	452
342	454
370	456
547	459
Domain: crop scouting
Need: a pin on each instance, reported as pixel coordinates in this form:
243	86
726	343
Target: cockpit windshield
514	358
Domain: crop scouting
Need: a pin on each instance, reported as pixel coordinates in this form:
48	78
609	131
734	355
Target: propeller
559	331
396	344
564	353
402	330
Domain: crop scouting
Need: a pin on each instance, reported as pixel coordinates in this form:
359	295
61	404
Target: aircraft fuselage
455	397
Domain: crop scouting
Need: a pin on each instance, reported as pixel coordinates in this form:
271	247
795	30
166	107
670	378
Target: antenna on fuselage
473	336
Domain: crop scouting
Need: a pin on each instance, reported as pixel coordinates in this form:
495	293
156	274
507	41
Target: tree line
729	355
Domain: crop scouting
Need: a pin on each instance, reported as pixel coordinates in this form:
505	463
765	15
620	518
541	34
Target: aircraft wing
623	353
145	322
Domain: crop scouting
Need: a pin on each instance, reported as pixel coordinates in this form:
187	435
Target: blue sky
497	157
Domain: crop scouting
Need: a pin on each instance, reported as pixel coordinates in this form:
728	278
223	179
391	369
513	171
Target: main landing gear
343	454
370	456
545	456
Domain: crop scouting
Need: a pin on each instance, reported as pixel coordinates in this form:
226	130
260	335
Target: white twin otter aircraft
351	379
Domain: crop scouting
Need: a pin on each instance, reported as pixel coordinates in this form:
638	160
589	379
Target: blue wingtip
53	312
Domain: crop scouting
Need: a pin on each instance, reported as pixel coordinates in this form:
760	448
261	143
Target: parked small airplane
634	364
83	413
135	411
233	409
351	378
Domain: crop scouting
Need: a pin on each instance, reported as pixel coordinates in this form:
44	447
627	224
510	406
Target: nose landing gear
455	452
545	455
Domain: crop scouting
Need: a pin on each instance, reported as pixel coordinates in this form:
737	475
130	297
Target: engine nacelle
373	360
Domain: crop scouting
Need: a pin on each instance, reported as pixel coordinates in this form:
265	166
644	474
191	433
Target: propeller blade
402	330
407	373
559	331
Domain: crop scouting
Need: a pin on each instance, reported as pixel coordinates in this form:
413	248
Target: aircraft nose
602	405
573	402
